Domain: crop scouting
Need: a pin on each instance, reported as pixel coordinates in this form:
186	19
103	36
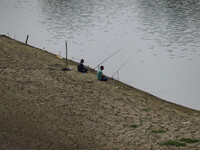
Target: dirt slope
43	107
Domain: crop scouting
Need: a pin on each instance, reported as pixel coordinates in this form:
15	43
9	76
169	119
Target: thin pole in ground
67	66
27	39
66	55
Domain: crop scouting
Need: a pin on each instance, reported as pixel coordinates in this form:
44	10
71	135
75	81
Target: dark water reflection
162	36
65	16
176	23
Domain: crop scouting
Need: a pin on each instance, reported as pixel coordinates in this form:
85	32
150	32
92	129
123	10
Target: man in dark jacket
81	67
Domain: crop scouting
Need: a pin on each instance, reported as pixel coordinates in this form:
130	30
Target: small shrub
173	143
188	140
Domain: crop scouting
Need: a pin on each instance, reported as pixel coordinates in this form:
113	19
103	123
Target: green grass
188	140
173	143
158	131
134	126
147	109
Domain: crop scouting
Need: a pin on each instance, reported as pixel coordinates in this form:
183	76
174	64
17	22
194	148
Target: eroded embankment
43	107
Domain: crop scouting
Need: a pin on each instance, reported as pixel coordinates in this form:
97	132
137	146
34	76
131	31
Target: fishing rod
107	59
122	66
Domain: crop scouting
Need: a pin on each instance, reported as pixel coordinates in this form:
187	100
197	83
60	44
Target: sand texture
45	108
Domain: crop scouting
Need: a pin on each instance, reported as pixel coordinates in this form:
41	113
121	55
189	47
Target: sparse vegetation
158	131
78	111
188	140
147	109
173	143
134	126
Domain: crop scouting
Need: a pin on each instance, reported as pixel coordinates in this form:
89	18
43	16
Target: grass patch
147	109
188	140
158	131
173	143
134	126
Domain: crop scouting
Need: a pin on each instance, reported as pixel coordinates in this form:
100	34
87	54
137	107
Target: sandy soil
43	107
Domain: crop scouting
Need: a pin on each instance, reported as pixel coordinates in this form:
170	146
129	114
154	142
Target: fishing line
122	66
107	59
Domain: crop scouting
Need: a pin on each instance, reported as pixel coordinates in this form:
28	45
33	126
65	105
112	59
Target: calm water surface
159	37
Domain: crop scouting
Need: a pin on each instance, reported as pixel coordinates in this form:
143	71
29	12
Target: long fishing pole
122	66
107	59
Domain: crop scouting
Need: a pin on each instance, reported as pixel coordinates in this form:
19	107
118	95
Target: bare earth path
43	107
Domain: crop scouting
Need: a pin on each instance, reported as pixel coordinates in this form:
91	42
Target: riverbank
43	107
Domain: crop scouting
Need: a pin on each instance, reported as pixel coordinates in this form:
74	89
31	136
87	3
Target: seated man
100	75
81	67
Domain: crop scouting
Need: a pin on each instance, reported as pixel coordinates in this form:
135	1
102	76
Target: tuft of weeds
173	143
158	131
134	126
147	109
178	144
188	140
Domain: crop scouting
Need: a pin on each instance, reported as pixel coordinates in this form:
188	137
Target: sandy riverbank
43	107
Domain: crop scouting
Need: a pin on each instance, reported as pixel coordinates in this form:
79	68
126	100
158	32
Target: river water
159	38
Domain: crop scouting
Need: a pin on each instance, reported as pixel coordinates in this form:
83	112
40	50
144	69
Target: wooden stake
27	39
66	56
67	67
118	75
